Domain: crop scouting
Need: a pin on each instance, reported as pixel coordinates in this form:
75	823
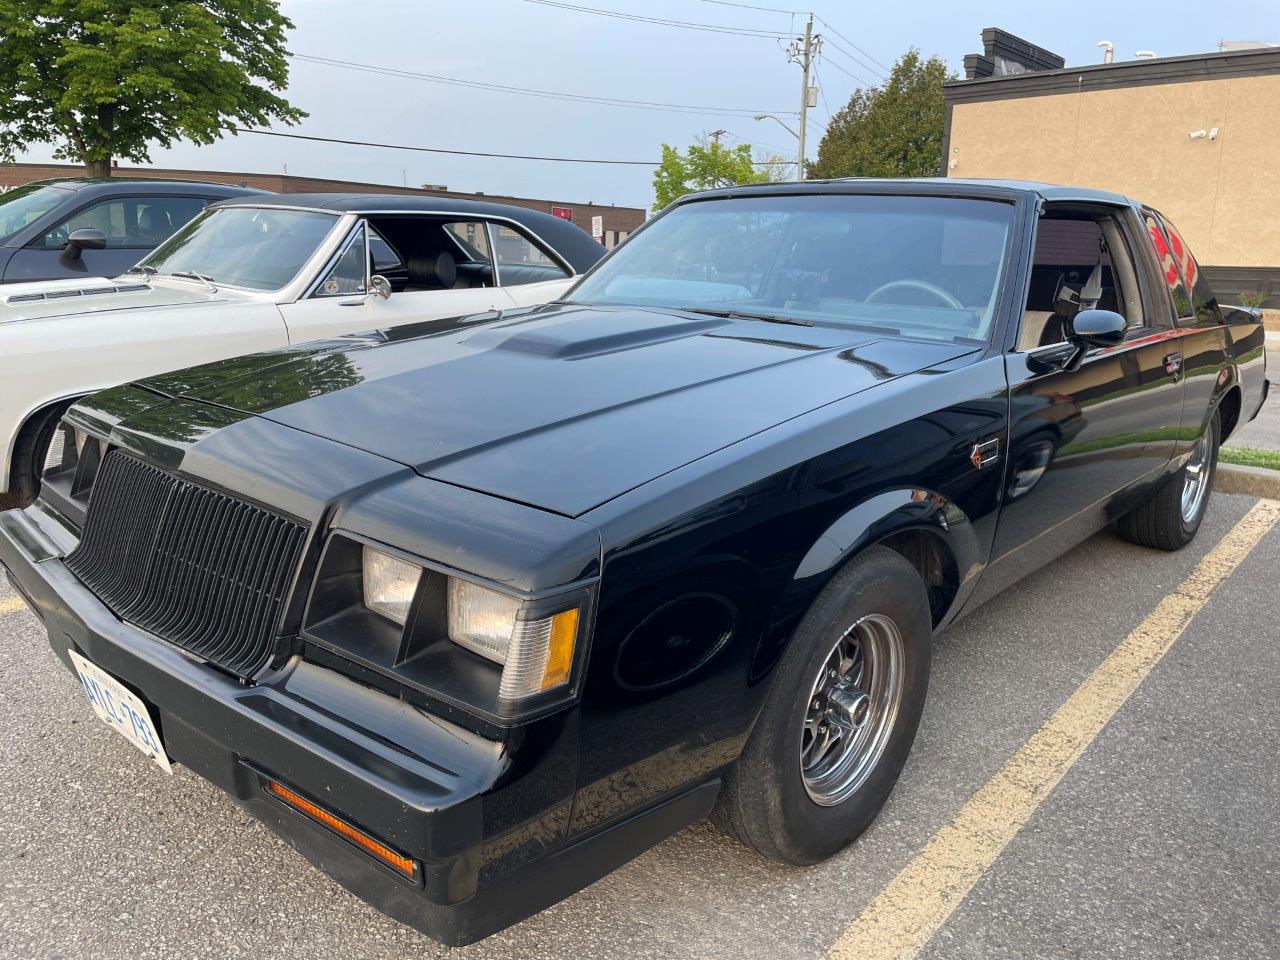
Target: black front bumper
342	745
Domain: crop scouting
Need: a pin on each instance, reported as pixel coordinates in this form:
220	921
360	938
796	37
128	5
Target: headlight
470	645
389	584
536	654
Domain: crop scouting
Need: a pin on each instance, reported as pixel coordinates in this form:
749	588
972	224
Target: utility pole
714	136
804	51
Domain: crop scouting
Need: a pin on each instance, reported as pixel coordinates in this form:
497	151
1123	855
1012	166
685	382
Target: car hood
51	299
562	408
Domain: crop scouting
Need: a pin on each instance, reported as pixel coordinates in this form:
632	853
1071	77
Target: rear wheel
29	453
840	716
1170	517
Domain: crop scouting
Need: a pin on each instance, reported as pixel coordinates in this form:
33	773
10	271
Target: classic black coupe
474	612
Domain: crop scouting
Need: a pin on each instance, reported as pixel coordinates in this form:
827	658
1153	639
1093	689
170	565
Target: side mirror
1093	328
379	286
85	238
1097	328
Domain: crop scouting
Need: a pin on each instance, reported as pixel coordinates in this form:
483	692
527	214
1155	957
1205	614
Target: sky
547	47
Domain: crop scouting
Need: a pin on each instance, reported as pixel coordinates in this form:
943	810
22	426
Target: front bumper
412	780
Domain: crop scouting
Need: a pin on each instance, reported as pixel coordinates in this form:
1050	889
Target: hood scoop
74	292
585	333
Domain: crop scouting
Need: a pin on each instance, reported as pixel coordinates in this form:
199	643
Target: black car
72	228
474	613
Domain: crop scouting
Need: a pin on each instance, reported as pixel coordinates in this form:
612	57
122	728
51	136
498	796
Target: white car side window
349	275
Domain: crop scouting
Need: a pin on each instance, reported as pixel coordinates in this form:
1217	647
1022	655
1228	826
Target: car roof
916	185
569	240
90	187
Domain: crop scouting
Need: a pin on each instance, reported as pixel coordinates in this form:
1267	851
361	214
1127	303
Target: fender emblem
985	454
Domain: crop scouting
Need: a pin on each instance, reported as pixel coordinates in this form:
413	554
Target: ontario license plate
119	709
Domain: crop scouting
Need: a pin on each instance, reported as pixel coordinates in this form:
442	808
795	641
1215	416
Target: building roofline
1126	73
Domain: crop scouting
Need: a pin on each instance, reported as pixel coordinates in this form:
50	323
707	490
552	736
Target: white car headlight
389	584
536	655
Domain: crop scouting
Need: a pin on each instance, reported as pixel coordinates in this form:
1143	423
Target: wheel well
33	420
1229	412
932	558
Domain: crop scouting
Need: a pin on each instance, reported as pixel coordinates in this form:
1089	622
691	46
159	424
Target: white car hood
51	299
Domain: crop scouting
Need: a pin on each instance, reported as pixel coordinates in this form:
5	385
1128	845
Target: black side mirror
1093	328
85	238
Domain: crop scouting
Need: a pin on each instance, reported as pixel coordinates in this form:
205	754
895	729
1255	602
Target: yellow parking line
12	605
903	916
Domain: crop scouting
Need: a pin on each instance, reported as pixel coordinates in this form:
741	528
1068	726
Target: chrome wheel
853	703
1195	479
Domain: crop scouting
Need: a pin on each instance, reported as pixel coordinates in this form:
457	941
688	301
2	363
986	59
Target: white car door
340	301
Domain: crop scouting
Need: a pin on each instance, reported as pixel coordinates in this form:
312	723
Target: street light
778	121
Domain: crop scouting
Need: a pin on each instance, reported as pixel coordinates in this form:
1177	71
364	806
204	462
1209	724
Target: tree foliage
104	79
703	165
891	131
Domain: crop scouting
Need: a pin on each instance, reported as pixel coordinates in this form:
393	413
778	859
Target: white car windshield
21	205
261	248
913	265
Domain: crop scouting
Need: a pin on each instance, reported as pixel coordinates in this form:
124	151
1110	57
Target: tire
29	453
1166	520
770	800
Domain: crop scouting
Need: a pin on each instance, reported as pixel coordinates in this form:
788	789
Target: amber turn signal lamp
564	631
401	864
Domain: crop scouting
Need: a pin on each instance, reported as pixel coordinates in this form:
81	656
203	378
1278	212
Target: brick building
618	222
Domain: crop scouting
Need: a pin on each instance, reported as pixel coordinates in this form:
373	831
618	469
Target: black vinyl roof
90	188
570	241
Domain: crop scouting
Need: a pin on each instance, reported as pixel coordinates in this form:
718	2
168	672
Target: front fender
881	516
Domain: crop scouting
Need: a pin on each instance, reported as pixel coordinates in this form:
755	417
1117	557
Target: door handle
358	302
1173	363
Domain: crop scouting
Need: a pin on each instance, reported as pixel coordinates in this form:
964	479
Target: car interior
1081	262
416	254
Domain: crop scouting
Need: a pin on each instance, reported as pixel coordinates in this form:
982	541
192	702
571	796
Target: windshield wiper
729	314
144	269
192	275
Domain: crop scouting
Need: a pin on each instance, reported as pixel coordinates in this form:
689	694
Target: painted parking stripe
905	914
12	605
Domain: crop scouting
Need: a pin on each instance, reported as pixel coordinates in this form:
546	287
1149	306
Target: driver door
341	300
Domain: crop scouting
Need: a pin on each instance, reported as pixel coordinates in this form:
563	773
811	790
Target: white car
257	273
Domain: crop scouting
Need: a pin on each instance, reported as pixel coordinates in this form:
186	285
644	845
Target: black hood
562	408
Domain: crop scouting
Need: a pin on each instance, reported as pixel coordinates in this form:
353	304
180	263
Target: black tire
765	802
1158	522
29	453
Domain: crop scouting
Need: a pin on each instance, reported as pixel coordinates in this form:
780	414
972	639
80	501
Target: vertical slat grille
193	566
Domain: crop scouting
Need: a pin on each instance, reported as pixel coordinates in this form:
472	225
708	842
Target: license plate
119	709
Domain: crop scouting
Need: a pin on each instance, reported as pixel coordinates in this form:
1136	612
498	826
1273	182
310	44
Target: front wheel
1170	516
840	716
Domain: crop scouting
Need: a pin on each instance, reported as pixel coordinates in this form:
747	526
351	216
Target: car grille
197	568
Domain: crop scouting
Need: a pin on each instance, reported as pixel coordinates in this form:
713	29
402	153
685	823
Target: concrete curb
1254	481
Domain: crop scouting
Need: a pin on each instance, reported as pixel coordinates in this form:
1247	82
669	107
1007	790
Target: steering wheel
924	285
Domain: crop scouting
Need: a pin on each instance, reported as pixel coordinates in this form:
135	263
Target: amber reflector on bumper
400	864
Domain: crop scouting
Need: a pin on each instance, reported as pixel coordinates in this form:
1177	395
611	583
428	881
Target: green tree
703	165
104	79
889	131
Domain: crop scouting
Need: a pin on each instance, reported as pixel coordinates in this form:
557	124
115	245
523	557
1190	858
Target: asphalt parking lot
1158	840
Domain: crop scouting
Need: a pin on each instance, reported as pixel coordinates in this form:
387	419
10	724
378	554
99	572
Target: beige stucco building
1197	137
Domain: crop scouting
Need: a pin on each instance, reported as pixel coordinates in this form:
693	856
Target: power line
748	6
456	153
851	43
530	91
663	21
859	80
852	59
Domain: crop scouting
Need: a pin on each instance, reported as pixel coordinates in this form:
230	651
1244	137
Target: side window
472	238
520	260
157	218
1168	265
1204	304
1080	262
141	222
382	256
347	276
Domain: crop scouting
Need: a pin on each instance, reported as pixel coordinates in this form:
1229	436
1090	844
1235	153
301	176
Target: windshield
261	248
920	266
21	205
